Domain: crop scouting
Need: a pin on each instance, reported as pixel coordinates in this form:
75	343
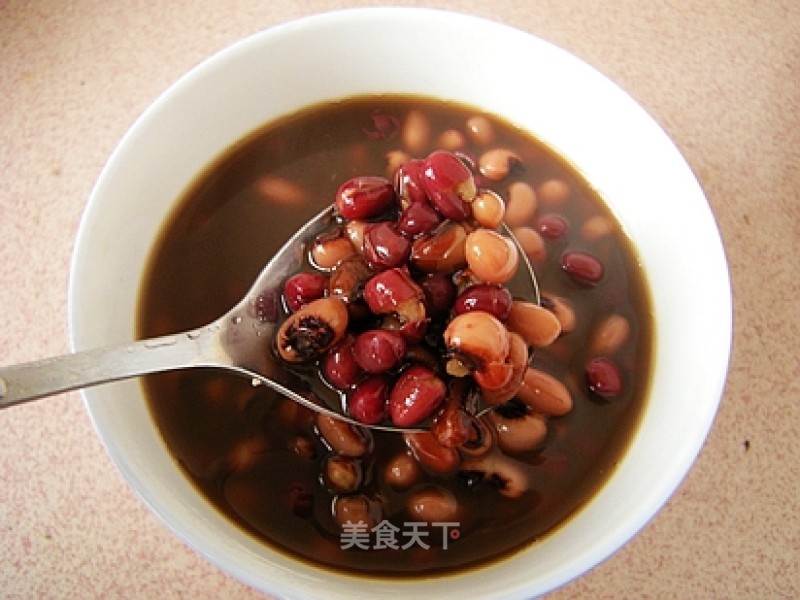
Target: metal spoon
238	341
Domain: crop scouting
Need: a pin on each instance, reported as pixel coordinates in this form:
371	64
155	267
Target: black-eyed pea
480	130
496	164
545	394
532	243
518	431
416	132
402	471
537	325
312	330
509	473
433	504
553	192
280	190
610	335
344	438
521	204
597	227
562	309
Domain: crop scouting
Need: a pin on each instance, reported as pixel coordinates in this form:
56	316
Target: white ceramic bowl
581	114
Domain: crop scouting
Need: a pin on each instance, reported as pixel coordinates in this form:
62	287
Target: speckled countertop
723	79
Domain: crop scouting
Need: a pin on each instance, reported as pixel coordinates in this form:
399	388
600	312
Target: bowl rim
697	430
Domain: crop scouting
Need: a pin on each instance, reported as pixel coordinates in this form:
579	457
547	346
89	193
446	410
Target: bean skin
509	472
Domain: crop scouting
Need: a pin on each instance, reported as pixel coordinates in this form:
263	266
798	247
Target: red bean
364	197
441	251
302	288
382	125
408	183
494	299
603	377
379	350
552	226
340	368
387	290
440	291
449	185
431	454
418	218
384	246
415	396
367	402
582	266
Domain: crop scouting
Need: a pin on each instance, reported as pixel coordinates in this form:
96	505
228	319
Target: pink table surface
722	77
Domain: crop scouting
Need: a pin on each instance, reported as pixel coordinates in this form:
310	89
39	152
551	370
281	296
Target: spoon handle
50	376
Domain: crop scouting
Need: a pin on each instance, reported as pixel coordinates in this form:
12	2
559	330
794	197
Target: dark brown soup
262	460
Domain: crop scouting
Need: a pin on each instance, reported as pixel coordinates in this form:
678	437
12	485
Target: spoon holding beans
378	311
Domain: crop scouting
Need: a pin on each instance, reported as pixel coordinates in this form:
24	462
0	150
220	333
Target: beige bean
451	139
326	253
544	393
537	325
520	205
402	471
247	453
532	243
395	159
344	438
431	454
480	130
354	231
279	190
562	309
357	509
433	504
416	132
518	358
553	192
488	209
497	163
610	334
597	227
342	474
519	433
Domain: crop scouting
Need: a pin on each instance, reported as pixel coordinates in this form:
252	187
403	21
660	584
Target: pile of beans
412	271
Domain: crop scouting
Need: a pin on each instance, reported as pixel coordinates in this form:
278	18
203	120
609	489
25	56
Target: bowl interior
613	142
